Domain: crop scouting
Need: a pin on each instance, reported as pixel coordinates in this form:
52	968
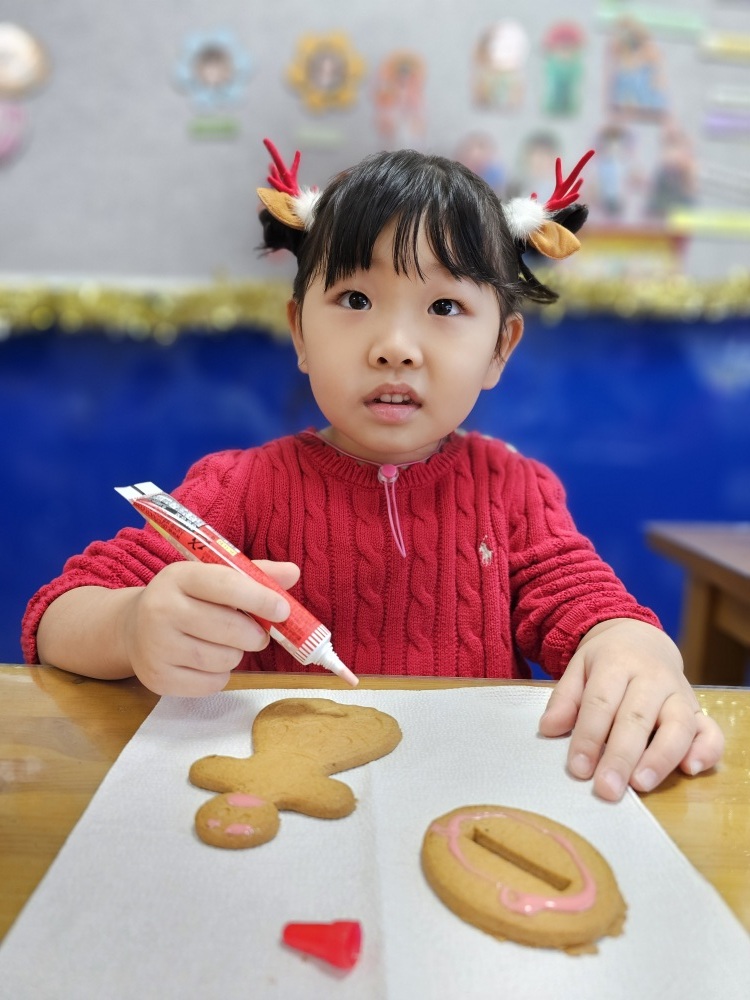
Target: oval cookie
522	876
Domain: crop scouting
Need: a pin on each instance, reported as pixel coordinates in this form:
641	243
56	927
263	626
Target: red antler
281	177
566	191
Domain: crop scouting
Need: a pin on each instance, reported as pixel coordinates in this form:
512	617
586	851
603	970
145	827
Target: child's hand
624	683
183	633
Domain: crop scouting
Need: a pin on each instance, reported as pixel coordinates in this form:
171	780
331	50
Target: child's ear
510	335
294	318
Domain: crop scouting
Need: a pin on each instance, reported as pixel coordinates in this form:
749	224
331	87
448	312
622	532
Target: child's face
397	363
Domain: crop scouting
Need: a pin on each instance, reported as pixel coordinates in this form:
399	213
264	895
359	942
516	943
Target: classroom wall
119	157
641	420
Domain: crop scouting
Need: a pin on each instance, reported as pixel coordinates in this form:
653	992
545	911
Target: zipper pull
387	475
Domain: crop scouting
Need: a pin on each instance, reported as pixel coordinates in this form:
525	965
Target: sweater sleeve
560	587
135	555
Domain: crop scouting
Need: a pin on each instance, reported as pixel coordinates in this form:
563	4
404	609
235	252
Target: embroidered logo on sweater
485	553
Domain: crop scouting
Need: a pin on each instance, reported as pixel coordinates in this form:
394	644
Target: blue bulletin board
641	422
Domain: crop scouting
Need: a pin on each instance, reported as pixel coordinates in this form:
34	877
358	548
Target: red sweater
495	572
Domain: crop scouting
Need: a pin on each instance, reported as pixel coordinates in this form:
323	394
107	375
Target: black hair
462	218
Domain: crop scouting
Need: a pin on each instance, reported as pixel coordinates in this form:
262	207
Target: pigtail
532	288
279	236
289	209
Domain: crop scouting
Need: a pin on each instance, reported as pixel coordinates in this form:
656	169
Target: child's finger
564	703
600	706
707	747
225	586
220	627
669	745
285	574
185	681
628	750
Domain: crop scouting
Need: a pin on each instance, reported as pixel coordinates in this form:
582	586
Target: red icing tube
301	634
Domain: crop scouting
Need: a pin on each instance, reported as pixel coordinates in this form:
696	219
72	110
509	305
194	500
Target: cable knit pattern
493	551
365	610
469	612
422	548
496	573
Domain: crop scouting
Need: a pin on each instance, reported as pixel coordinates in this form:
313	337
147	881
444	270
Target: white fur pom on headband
524	217
304	205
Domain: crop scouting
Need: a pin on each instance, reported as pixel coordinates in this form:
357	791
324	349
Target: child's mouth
394	397
393	407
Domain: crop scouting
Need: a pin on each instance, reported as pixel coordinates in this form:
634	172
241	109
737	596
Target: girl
426	551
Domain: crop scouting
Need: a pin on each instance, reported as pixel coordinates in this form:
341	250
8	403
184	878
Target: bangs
462	219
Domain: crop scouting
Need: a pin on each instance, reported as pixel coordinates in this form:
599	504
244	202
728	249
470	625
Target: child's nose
393	349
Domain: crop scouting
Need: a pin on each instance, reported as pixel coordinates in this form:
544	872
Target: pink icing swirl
526	903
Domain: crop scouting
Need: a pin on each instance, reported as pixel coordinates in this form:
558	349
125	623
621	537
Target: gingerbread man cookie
298	744
522	876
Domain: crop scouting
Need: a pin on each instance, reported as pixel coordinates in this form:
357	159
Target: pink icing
213	823
527	903
241	799
239	829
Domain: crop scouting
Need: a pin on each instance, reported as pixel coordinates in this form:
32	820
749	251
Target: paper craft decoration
563	67
617	178
326	72
213	69
674	183
478	151
726	46
499	66
661	19
23	68
298	743
23	62
634	65
398	97
12	129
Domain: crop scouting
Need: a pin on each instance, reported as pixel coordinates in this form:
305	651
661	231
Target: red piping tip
338	943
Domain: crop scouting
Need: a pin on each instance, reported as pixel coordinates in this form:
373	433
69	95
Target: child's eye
354	300
445	307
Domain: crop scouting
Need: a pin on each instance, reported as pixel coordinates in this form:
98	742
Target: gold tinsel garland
161	313
223	306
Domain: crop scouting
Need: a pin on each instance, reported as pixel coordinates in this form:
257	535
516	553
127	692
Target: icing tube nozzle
302	635
327	658
338	943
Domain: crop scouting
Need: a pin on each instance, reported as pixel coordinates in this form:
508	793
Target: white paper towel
135	907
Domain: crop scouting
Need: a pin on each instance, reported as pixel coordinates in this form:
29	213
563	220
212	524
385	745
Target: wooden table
60	734
715	627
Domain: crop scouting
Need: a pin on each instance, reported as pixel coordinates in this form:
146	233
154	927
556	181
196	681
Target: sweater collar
363	472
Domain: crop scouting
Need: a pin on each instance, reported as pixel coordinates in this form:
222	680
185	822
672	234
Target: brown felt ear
281	207
554	240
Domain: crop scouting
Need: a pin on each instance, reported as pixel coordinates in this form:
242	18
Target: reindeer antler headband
529	221
285	199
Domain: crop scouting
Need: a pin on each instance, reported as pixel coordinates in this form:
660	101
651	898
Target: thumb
562	708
